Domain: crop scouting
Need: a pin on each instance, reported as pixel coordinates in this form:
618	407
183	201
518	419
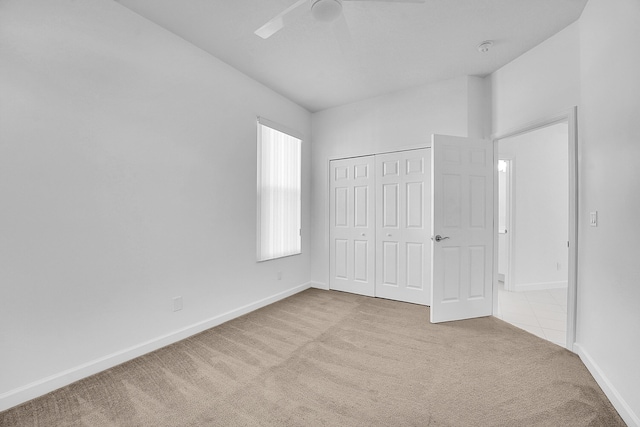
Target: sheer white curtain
279	191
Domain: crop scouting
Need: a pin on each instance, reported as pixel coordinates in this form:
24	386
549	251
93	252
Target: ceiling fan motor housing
326	10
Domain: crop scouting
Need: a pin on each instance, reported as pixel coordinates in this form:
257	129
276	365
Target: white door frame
509	278
571	117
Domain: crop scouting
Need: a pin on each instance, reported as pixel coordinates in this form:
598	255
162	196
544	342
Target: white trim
572	299
540	286
43	386
327	225
375	153
632	419
550	120
510	220
496	210
280	128
571	117
318	285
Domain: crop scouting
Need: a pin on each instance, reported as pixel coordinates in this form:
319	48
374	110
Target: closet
380	225
384	210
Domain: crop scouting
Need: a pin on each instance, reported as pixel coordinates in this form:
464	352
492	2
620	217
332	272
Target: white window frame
279	222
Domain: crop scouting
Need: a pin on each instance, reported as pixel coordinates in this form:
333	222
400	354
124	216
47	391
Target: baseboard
625	411
540	286
319	285
46	385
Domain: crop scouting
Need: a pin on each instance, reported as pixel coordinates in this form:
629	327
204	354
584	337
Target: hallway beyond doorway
542	313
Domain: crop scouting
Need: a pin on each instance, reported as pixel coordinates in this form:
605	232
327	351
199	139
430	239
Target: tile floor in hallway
542	313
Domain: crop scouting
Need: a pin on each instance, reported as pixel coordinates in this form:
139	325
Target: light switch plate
593	219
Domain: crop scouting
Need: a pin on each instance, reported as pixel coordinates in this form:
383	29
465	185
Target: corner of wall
621	405
478	106
607	314
319	285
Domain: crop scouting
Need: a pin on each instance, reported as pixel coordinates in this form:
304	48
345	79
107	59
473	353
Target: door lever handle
439	238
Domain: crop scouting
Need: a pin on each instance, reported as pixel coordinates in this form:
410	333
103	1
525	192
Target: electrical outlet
177	303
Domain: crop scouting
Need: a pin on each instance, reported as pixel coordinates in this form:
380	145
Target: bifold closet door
352	225
403	226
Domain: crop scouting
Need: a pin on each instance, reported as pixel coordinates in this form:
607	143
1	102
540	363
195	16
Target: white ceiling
392	46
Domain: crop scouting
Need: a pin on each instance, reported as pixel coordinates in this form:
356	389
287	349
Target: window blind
279	193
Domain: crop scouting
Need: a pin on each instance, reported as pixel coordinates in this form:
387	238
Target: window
279	191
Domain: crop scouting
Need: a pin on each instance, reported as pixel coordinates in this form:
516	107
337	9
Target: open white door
462	226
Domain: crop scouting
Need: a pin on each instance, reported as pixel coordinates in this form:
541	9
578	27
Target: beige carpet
336	359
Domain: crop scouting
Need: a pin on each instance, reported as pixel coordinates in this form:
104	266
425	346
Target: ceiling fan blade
270	28
277	23
393	1
342	34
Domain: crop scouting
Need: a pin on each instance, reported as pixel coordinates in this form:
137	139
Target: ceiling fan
322	10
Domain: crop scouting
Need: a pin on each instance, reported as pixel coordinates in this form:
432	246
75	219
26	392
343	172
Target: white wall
540	207
127	177
609	272
543	81
400	120
594	64
127	161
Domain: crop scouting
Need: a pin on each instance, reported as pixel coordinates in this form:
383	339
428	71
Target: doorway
536	229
